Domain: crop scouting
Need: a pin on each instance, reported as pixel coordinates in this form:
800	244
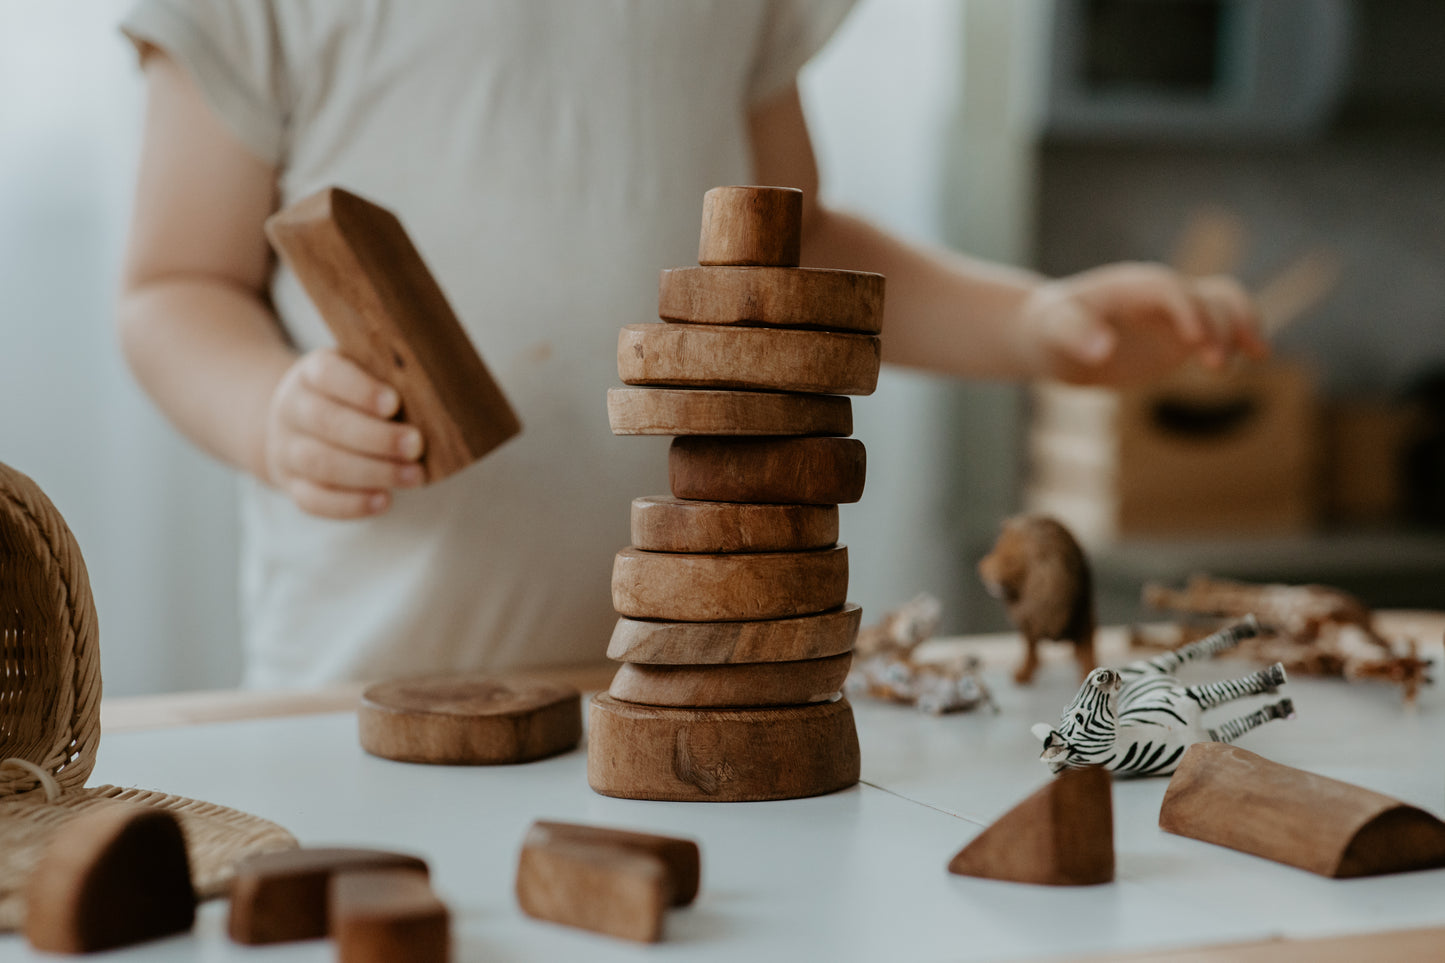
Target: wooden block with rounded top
701	411
718	643
111	877
751	225
746	685
773	297
472	720
681	858
388	916
720	755
728	588
770	359
664	524
809	471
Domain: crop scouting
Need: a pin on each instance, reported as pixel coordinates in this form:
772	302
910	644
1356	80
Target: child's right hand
330	442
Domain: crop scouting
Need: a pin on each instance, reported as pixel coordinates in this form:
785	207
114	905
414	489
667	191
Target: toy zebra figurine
1138	720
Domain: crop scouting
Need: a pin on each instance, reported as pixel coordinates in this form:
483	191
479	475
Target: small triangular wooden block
1062	835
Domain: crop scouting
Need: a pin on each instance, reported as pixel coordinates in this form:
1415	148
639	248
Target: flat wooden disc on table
751	225
771	359
700	411
453	720
664	524
720	755
719	643
809	471
773	297
728	588
735	686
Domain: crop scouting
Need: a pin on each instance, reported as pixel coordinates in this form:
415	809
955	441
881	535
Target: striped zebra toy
1138	720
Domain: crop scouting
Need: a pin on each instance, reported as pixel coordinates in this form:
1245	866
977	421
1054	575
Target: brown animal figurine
1042	576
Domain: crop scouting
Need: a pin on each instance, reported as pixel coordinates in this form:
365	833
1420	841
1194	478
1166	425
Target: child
548	157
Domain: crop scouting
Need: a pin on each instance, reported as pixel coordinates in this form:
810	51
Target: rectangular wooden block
388	916
681	857
616	890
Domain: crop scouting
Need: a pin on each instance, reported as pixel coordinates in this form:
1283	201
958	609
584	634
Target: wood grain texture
1232	797
773	297
664	524
769	359
389	316
112	877
282	897
719	643
728	588
720	755
617	891
1062	835
469	720
807	471
745	685
701	411
388	916
751	226
681	858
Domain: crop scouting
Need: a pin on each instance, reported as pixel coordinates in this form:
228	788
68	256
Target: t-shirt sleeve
232	50
793	30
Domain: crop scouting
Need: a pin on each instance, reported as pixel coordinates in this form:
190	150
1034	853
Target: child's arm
197	331
953	314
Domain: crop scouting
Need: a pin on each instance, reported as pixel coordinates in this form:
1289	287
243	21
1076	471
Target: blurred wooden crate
1365	442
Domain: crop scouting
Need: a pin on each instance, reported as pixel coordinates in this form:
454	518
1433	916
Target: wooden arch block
388	916
664	524
768	359
751	226
702	411
1232	797
773	297
1062	835
717	643
745	685
808	471
728	588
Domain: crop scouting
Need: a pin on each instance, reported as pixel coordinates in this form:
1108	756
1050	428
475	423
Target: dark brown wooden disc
700	411
720	755
809	471
751	225
773	297
715	643
769	359
473	720
746	685
728	588
661	523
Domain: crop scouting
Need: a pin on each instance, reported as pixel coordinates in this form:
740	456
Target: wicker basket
50	710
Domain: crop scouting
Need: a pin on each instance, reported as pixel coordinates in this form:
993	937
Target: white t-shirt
547	157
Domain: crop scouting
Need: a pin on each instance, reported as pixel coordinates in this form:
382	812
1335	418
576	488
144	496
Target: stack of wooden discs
736	633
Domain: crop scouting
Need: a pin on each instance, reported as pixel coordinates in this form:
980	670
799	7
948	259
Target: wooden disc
751	225
698	411
808	471
771	359
715	643
728	588
773	297
720	755
661	523
463	720
732	686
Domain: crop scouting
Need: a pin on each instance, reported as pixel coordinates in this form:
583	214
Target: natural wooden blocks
699	356
663	524
806	471
713	643
773	297
683	411
388	916
751	226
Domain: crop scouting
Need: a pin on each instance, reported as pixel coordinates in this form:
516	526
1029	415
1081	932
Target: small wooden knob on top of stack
735	632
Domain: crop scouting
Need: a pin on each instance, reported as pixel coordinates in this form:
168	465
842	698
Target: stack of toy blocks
735	630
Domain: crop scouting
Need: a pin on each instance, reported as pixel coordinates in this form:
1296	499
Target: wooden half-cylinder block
1062	835
389	315
703	411
281	897
1232	797
112	877
474	720
810	471
388	916
742	685
721	643
720	755
751	226
728	588
773	297
661	523
769	359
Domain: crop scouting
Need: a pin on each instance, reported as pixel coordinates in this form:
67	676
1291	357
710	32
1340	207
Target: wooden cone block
728	588
1062	835
700	411
810	471
661	523
720	755
771	359
720	643
751	226
773	297
388	916
732	686
1232	797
